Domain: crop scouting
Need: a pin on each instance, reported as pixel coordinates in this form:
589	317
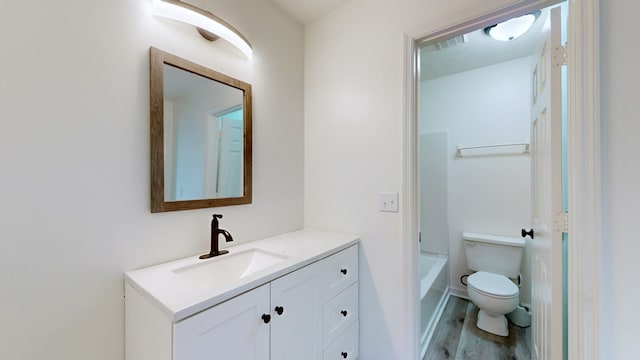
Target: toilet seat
493	285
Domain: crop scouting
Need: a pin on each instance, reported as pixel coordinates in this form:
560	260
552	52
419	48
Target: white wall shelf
460	149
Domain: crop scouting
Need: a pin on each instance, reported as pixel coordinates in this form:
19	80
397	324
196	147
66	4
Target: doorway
475	96
583	158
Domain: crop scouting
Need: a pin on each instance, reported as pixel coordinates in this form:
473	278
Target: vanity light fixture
512	28
209	26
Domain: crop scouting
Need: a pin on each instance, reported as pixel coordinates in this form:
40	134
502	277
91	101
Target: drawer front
340	271
338	313
345	347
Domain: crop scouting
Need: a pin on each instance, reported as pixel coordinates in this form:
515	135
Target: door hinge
561	222
559	56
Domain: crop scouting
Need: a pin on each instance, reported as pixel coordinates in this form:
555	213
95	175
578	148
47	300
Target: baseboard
460	292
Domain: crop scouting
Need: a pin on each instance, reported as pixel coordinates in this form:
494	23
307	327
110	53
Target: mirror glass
200	136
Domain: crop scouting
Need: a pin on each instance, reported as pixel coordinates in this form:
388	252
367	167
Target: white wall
621	176
490	189
74	149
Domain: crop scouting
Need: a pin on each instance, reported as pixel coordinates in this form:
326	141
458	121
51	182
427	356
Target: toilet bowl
495	295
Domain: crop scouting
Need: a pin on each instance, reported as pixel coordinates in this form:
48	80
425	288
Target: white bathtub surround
434	292
431	265
434	192
434	225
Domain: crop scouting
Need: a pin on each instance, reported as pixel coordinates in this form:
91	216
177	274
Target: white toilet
494	259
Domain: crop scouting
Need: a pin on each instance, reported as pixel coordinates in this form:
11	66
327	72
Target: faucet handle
214	222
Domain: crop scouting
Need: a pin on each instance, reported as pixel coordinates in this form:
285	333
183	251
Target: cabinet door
234	329
296	309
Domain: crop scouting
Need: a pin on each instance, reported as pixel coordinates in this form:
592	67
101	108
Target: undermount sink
227	268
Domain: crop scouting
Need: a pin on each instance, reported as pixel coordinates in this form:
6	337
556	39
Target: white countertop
179	299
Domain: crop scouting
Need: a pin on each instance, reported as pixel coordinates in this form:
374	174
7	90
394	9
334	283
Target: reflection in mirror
202	139
201	136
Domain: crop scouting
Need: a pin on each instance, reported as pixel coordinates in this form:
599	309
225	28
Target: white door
212	143
237	329
296	308
546	246
231	159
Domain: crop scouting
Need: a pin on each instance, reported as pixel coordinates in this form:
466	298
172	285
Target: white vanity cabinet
279	320
310	313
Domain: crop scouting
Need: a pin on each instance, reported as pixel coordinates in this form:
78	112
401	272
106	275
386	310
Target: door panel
296	304
232	330
547	196
231	159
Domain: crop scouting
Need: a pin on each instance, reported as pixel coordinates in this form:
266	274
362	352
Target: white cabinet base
148	334
310	313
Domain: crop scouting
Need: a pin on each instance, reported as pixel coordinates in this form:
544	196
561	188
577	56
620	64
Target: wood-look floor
457	337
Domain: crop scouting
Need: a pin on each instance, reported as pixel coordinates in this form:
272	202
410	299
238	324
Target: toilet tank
493	253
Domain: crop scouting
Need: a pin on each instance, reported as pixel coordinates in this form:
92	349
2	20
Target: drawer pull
279	310
266	318
344	355
343	271
344	313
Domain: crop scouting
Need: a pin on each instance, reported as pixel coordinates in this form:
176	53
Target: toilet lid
492	284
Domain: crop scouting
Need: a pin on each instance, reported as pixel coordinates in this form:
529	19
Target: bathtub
434	290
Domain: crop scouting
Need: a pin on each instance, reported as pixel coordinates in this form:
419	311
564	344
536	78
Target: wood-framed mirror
200	136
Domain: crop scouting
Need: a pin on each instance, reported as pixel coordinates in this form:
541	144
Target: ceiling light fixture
209	26
512	28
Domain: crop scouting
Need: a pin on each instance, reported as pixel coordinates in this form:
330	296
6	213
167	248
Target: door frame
584	177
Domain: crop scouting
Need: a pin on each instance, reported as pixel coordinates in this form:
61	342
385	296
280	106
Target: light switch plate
388	201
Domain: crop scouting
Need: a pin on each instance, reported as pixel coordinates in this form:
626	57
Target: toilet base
493	324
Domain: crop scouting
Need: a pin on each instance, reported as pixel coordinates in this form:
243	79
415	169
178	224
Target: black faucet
215	232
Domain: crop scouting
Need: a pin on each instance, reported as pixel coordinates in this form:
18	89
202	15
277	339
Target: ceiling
477	51
306	11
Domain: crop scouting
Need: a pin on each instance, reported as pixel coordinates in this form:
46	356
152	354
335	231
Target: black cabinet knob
344	313
343	271
266	318
344	355
525	233
279	310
